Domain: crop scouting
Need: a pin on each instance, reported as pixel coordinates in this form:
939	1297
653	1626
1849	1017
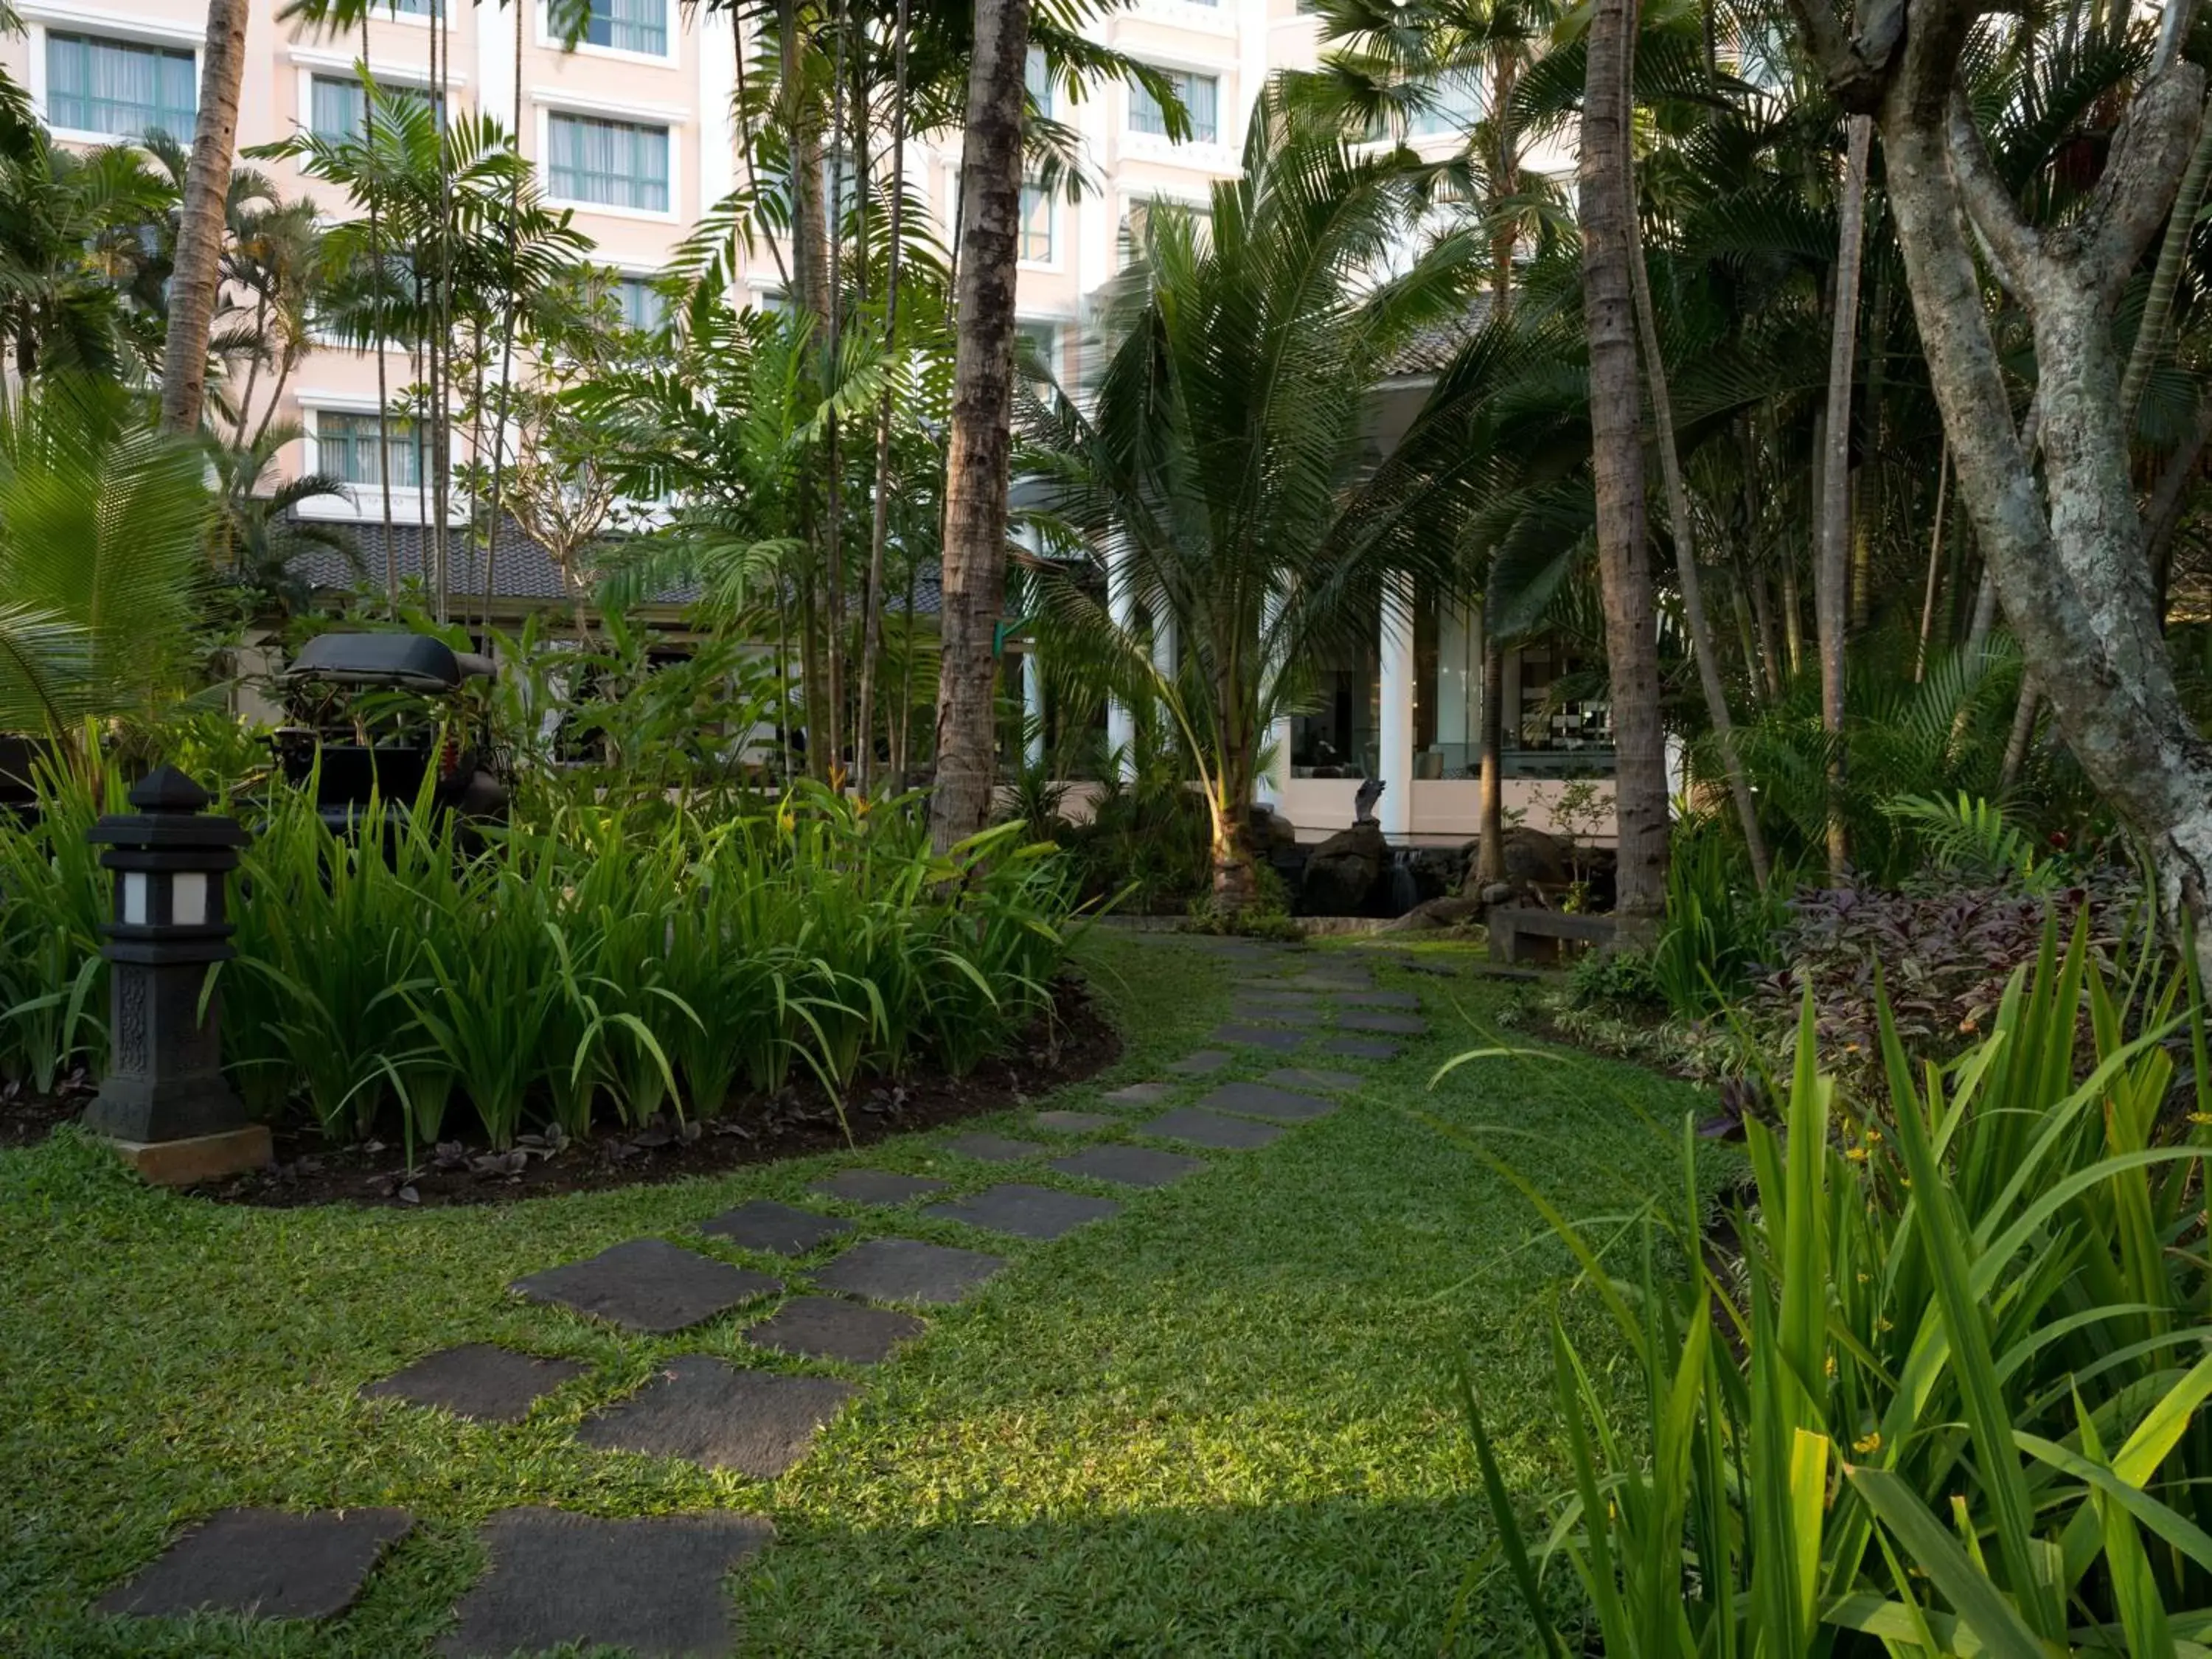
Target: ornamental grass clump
1949	1400
602	965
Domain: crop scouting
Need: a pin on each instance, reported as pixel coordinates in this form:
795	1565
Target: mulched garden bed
1074	1041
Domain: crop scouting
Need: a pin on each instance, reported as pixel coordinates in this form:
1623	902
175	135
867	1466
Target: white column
715	37
499	96
1396	811
1032	707
1121	610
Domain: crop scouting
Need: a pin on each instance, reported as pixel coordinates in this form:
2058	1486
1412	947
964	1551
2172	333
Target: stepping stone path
1401	1024
1354	1047
1084	1123
656	1586
777	1229
1204	1128
709	1412
1263	1100
651	1587
1199	1063
649	1284
1136	1094
908	1270
482	1383
830	1328
264	1563
993	1149
875	1186
1257	1037
1027	1211
1298	1077
1127	1166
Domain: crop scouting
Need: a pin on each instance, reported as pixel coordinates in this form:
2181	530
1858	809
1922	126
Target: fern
1972	834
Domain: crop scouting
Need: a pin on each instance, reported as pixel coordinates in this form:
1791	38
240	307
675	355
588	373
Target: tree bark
872	607
1617	460
1831	569
197	279
1685	559
1490	849
978	456
2068	560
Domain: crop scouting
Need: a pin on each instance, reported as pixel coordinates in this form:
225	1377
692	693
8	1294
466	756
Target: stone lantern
165	1102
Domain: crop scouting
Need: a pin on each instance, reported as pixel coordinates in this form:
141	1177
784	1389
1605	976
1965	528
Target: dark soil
1074	1041
27	1119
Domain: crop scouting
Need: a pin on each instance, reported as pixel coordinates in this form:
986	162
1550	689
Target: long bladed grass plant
1946	1396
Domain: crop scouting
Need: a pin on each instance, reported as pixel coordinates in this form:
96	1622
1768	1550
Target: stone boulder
1533	860
1274	837
1344	873
1437	913
1437	871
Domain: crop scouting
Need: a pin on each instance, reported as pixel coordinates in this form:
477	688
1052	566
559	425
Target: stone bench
1515	929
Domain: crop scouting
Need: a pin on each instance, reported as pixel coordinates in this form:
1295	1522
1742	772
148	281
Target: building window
616	163
642	305
406	8
1036	224
629	25
1201	98
346	448
337	106
121	87
1038	79
1038	343
1457	105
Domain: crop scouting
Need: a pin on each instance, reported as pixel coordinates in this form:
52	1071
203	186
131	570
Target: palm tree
80	262
103	524
196	287
257	536
1227	454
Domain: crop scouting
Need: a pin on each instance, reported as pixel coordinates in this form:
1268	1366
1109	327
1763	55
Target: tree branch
2010	239
2136	192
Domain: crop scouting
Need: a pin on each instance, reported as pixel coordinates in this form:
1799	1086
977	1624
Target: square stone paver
779	1229
1128	1166
651	1587
482	1382
1257	1037
908	1270
993	1149
830	1328
264	1563
1139	1094
1265	1100
1353	1048
1331	984
708	1412
1396	1025
1027	1211
1204	1128
1076	1123
649	1284
1264	1013
875	1186
1383	998
1307	1078
1196	1065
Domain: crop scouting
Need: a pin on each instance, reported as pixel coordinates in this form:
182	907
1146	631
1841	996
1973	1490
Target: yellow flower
1870	1442
1882	1324
1831	1366
2200	1118
1857	1154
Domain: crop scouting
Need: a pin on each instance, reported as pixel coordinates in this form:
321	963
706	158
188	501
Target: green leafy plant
1948	1397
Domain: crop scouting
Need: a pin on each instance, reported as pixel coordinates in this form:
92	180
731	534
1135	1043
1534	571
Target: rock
1437	913
1343	872
1535	859
1274	836
1437	871
1499	892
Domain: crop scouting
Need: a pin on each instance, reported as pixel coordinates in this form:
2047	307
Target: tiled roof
1427	351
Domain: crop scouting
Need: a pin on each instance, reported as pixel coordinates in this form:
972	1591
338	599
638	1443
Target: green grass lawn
1220	1423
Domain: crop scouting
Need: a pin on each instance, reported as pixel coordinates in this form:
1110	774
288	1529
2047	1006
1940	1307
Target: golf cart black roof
415	662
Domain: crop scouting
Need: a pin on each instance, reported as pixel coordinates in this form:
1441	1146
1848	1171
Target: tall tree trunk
1236	882
1685	553
872	604
977	459
194	286
1935	568
2069	557
1489	850
1831	569
1631	638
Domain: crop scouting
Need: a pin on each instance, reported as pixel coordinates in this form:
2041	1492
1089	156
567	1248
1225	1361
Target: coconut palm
1227	456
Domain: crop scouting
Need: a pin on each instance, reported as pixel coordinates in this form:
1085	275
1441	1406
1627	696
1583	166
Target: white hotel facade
632	131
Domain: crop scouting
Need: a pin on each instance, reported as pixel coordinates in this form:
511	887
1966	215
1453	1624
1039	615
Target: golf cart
424	721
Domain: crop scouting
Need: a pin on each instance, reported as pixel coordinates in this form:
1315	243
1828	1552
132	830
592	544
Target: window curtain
120	87
629	25
612	162
1200	96
345	447
339	108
